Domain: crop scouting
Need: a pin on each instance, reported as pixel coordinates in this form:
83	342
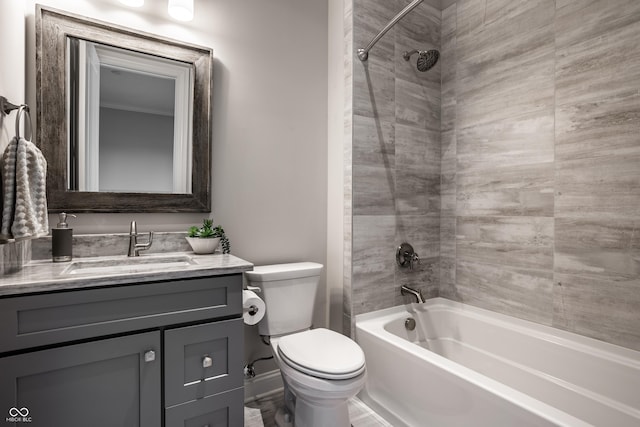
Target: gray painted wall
269	164
12	78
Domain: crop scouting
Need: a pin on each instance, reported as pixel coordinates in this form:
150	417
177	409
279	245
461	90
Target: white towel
24	188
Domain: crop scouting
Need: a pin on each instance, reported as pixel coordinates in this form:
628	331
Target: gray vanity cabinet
202	360
166	353
219	410
203	375
101	383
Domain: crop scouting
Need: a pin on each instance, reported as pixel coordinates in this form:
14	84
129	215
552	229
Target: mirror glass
129	120
124	117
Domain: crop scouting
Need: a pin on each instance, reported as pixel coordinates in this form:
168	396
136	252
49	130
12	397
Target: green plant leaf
208	231
193	231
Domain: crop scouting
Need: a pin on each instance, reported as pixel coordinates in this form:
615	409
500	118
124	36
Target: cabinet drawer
219	410
36	320
202	360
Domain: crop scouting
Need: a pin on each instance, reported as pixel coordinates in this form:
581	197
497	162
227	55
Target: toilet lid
322	353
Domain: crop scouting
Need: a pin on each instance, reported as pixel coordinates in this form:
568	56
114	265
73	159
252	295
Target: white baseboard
262	384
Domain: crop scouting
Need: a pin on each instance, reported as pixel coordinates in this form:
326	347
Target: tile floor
361	415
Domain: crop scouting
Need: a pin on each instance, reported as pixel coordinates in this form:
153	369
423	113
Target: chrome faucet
134	246
405	290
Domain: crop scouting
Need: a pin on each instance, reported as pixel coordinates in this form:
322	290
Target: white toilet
321	369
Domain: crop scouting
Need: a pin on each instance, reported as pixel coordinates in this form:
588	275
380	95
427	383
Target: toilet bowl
321	390
321	369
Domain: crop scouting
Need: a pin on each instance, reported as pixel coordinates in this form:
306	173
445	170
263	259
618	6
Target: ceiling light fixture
132	3
182	10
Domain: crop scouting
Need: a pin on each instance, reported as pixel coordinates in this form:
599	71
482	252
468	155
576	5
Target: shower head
426	58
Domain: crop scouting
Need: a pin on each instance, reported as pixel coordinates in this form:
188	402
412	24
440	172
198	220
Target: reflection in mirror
124	117
129	129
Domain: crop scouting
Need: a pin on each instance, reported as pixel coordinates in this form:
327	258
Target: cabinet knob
207	362
150	356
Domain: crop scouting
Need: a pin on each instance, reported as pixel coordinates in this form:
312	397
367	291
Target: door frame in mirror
52	28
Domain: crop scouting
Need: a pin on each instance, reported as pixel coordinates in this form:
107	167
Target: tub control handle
414	259
406	256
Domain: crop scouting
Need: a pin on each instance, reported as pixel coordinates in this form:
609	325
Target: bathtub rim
620	354
373	323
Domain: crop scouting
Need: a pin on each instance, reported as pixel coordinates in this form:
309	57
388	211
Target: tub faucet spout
405	290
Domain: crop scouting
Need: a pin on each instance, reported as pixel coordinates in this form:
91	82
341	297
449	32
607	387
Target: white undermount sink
128	265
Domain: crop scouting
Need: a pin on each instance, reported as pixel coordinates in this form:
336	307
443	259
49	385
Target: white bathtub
465	366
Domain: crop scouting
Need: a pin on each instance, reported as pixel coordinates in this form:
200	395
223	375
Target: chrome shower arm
363	53
407	54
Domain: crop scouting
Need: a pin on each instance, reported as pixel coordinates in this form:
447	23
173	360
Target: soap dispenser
62	239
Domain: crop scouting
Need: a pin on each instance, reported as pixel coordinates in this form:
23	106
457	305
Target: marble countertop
46	276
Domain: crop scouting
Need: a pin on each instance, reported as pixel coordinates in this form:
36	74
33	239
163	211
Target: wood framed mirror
124	117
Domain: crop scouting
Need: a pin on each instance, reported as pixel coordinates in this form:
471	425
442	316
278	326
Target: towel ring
6	107
24	109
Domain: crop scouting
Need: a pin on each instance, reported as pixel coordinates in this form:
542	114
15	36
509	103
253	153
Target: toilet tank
289	293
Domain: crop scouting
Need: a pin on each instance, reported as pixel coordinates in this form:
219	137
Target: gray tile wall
393	159
14	255
94	245
540	154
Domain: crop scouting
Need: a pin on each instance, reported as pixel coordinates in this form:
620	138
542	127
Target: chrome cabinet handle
207	362
150	356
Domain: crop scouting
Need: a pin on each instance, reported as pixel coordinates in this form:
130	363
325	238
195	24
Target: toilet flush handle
254	288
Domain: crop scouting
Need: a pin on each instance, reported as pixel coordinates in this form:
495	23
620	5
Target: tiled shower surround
395	156
513	166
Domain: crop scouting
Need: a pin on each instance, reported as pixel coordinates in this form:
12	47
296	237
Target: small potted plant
205	239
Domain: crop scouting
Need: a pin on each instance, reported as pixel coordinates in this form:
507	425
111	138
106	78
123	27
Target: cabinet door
111	382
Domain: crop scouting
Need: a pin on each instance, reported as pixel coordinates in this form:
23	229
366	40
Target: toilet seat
322	353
